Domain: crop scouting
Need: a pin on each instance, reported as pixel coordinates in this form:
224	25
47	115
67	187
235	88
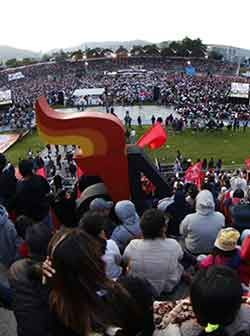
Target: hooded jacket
130	227
9	240
200	229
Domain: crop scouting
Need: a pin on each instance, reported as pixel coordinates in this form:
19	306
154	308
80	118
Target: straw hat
227	239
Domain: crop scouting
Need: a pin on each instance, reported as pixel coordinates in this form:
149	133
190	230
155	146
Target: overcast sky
47	24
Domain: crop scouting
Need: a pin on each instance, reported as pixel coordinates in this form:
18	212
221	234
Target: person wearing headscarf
129	228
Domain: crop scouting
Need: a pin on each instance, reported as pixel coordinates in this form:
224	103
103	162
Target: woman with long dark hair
81	297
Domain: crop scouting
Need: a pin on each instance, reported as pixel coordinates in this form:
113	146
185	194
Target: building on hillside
231	54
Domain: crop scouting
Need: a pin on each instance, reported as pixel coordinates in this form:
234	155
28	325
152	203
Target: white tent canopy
89	92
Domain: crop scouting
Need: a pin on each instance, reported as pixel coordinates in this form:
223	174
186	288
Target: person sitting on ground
225	251
104	208
155	258
31	197
215	307
93	223
200	229
130	226
176	211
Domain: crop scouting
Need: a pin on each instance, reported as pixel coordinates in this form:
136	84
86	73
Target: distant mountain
106	44
7	52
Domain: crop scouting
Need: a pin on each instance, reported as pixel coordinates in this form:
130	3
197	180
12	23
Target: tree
167	52
93	53
77	55
45	58
106	52
11	63
60	56
137	50
213	54
175	47
198	48
27	61
151	50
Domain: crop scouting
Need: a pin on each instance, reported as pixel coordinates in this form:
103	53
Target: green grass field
21	148
231	147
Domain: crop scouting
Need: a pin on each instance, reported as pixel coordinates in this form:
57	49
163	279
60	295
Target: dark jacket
177	210
8	184
30	300
31	198
241	216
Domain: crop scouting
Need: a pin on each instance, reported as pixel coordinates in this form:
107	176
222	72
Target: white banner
5	97
16	75
239	90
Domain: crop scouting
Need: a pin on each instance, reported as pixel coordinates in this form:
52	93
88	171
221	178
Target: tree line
186	48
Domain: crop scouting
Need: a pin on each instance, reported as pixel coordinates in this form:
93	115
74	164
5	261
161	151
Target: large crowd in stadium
74	262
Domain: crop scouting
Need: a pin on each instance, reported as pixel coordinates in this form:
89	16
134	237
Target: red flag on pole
154	138
194	174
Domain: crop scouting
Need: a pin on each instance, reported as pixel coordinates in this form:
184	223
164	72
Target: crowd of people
78	263
73	262
203	96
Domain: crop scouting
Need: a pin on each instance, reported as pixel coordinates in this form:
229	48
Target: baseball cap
100	204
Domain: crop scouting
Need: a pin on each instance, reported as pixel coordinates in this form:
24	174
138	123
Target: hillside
106	44
7	52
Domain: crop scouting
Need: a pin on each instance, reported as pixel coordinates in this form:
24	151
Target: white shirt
112	259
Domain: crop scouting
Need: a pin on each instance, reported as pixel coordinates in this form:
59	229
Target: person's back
200	229
241	216
31	199
31	196
157	261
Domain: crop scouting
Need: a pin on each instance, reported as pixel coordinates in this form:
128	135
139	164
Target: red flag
194	174
247	163
154	138
41	172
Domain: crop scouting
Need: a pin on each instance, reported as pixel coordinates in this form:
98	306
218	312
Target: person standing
139	121
31	197
153	119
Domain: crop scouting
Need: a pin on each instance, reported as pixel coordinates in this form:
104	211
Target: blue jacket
9	240
130	227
